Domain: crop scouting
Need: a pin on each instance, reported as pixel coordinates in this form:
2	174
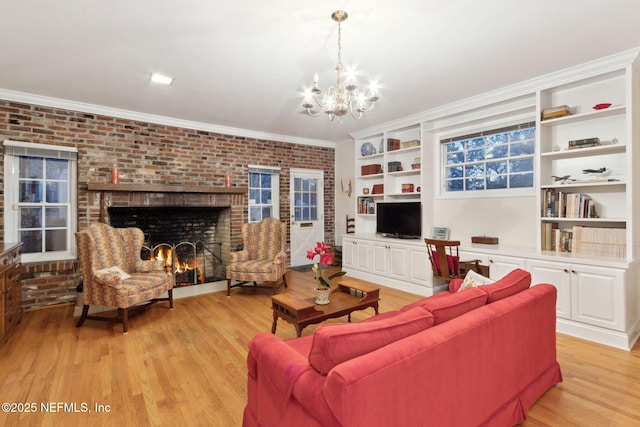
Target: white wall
344	205
512	219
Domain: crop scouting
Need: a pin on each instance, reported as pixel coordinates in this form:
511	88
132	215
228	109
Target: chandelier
345	96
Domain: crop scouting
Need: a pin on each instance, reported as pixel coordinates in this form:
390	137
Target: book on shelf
584	143
366	205
548	243
562	204
599	241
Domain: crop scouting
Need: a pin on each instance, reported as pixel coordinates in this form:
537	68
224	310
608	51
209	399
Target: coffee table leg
375	308
275	322
349	317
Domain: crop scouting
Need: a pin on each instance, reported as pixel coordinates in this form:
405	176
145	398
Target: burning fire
166	254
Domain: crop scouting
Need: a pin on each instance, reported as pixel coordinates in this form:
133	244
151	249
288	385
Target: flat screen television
402	220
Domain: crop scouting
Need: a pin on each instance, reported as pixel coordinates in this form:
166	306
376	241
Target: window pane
30	217
58	169
496	168
266	180
254	179
56	240
522	148
474	170
254	214
31	167
474	184
30	192
455	146
32	241
455	185
298	214
498	152
305	214
254	196
500	138
297	184
305	199
305	184
521	180
456	172
266	212
455	158
475	155
266	197
57	192
313	214
475	143
524	165
55	217
497	182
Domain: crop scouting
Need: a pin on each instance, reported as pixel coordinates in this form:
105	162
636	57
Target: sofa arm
272	359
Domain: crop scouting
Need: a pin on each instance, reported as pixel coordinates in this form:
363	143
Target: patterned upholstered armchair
264	256
114	275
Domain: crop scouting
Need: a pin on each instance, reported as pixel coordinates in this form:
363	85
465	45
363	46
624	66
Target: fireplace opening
194	242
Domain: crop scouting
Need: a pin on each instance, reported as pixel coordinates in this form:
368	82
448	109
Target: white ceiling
244	64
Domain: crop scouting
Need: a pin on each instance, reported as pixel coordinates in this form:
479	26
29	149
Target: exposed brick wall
147	153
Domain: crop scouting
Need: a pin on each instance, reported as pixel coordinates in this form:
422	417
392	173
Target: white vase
322	296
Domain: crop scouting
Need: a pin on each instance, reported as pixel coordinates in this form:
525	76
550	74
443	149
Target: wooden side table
350	295
10	288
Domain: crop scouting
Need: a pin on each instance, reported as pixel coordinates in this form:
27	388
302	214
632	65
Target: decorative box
410	144
552	113
407	188
484	240
393	144
394	166
371	169
377	189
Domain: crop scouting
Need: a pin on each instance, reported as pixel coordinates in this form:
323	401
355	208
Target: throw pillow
473	280
514	282
334	344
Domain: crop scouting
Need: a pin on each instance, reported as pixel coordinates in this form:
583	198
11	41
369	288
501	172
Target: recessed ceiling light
159	78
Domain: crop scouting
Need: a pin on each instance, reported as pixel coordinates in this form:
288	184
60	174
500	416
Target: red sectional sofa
481	356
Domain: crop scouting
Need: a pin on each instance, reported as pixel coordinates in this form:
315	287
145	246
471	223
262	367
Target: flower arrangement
326	258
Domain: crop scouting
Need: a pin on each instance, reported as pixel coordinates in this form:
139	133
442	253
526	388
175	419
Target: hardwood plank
188	366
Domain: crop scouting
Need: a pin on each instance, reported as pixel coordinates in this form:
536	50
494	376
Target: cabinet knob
574	272
565	270
491	261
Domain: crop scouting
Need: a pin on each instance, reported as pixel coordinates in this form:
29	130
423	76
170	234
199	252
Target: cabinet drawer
13	298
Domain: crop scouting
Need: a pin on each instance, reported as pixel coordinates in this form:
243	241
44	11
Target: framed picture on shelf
440	233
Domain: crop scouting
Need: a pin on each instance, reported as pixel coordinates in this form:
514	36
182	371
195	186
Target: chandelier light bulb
344	97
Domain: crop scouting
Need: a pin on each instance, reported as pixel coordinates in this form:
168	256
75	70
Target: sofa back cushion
336	343
514	282
445	306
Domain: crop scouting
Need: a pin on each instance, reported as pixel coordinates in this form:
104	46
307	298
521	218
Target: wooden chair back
444	258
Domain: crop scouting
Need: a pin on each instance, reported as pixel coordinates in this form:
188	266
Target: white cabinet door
500	266
348	253
380	258
363	255
398	257
558	275
419	266
597	296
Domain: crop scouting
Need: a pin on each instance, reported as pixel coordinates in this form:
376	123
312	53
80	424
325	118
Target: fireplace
192	240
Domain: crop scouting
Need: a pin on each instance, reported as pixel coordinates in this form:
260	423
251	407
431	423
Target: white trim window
264	192
497	159
40	199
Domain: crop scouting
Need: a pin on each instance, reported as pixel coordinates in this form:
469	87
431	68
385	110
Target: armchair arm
146	266
111	279
280	258
239	256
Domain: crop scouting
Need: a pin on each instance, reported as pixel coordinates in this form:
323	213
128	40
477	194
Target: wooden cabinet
10	288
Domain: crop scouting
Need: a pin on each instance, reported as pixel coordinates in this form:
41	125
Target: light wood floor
187	366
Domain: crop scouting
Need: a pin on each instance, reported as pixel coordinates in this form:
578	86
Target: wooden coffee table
350	295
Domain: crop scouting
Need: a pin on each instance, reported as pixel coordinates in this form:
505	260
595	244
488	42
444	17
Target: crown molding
522	90
66	104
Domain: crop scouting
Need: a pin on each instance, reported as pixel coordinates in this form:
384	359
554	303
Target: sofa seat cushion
514	282
334	344
445	306
254	266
